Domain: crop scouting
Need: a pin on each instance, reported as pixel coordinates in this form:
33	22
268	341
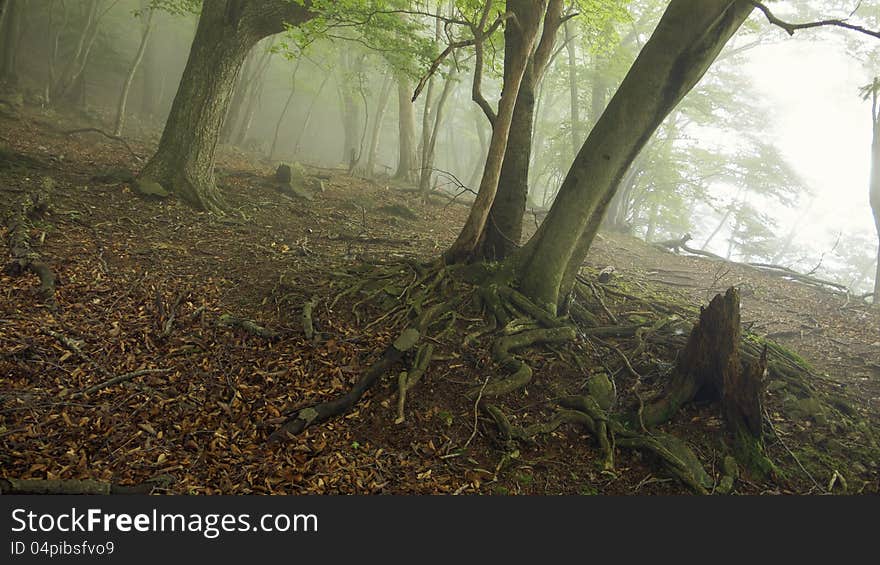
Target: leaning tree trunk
227	31
407	159
126	87
429	151
687	40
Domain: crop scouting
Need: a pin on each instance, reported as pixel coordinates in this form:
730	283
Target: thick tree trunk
687	40
528	19
239	97
407	159
227	31
126	87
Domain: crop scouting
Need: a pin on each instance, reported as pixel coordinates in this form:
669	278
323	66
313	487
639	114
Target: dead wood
302	418
24	258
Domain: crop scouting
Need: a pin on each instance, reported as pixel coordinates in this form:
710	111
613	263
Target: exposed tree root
408	379
24	258
302	418
521	372
307	324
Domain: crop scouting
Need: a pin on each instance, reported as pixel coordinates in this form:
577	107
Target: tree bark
126	87
227	31
528	18
687	40
503	231
407	159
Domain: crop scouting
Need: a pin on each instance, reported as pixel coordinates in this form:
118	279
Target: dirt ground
143	285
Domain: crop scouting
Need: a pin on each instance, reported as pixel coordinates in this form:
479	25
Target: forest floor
143	285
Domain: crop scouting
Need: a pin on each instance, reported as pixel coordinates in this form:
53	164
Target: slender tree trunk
284	109
874	192
126	87
382	105
529	15
227	31
429	152
687	40
71	77
479	156
407	159
574	94
255	95
309	113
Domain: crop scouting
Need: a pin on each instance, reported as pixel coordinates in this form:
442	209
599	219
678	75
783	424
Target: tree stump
709	368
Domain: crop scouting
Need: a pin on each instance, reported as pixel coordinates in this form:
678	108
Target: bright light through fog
824	128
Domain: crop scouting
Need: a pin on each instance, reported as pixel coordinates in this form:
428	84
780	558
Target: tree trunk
431	144
239	97
284	109
126	87
227	31
874	195
71	77
528	16
309	113
9	43
255	95
479	156
382	105
407	159
573	89
687	40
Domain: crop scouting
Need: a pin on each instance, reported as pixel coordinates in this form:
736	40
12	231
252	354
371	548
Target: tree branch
791	28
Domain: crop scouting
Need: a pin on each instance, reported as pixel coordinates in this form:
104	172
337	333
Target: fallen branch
117	380
249	326
302	418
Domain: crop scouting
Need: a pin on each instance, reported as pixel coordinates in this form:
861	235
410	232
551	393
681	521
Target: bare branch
791	28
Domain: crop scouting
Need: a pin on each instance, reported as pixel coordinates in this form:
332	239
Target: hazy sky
823	127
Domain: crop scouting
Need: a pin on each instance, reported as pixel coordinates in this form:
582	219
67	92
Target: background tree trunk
382	105
9	34
227	31
687	40
407	160
126	87
284	109
874	189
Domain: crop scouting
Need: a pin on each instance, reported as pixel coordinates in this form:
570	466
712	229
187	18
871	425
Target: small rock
147	187
602	390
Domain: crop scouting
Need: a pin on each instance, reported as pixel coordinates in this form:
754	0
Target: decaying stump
24	258
709	368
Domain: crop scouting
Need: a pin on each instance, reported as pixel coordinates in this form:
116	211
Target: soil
143	284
